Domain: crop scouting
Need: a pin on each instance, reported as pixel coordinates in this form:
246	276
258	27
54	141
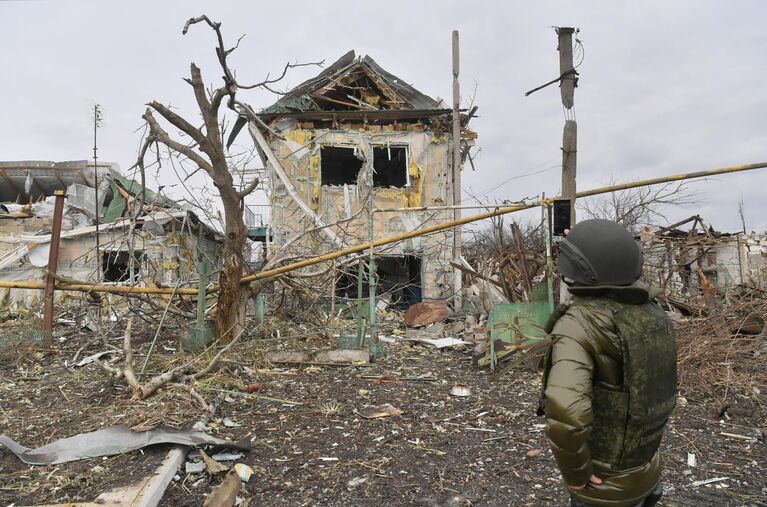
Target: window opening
116	266
390	166
339	166
399	278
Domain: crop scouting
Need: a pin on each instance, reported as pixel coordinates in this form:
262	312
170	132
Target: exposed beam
10	182
384	114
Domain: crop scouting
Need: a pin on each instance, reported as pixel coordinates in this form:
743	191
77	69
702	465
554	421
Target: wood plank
155	489
147	493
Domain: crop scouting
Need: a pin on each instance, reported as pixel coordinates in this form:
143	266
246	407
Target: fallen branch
130	377
252	395
175	377
194	394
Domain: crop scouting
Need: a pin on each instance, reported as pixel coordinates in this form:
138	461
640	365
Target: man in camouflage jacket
609	382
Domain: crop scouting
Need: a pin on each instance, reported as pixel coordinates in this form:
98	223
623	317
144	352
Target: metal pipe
669	179
372	283
549	261
360	320
53	261
107	289
384	241
203	282
443	208
96	120
488	214
159	328
456	166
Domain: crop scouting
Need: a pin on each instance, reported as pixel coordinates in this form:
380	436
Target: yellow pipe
481	216
669	179
112	289
392	239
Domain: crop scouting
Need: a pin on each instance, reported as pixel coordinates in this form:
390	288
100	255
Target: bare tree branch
180	123
159	134
288	66
250	188
639	206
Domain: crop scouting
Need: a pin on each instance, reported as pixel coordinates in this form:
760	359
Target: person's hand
593	480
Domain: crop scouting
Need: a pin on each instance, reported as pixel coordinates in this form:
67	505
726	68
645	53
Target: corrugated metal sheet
31	179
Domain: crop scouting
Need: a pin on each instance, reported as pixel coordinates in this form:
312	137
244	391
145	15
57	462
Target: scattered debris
434	330
194	467
228	423
426	377
329	357
107	442
213	466
375	412
281	356
738	437
147	492
440	343
427	312
243	472
92	358
460	390
709	481
226	456
225	494
343	356
356	481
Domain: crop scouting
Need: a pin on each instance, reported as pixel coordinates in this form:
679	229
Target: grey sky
665	87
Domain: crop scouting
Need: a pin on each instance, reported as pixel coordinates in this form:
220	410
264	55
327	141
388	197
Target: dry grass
717	360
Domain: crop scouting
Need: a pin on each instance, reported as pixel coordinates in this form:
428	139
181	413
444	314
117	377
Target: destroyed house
356	138
160	250
688	261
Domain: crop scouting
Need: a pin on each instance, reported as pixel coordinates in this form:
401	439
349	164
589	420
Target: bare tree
207	152
742	213
636	207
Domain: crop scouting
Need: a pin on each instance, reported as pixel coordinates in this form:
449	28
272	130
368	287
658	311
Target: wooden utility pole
570	135
457	274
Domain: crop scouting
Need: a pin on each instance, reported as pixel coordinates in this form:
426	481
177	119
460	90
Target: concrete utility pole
570	135
457	274
567	84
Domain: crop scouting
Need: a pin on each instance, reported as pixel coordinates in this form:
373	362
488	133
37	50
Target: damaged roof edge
31	179
386	114
298	99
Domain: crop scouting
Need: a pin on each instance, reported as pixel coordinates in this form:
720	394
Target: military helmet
600	252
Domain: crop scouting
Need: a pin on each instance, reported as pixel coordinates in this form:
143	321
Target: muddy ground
311	446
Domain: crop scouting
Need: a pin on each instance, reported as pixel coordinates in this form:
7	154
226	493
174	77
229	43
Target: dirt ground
311	446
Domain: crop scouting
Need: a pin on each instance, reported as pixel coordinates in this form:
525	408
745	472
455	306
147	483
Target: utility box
561	216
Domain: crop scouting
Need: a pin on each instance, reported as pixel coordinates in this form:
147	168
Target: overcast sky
665	87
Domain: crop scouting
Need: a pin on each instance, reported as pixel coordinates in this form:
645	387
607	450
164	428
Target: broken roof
31	180
352	84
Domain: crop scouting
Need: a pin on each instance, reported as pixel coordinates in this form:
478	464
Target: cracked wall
428	174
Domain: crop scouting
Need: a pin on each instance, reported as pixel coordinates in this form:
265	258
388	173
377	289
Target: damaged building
689	260
163	247
357	138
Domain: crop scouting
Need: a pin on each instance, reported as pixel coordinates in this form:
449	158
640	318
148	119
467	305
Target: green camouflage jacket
609	388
